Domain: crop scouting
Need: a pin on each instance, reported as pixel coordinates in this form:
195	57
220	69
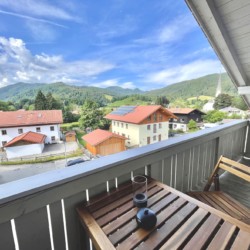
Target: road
15	172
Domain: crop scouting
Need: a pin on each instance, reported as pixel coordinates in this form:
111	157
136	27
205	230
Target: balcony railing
39	212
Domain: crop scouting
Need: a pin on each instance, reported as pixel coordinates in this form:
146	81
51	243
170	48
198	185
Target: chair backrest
231	166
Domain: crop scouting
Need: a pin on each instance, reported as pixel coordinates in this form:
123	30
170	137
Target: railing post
247	142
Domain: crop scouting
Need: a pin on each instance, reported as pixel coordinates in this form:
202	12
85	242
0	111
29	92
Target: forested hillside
203	86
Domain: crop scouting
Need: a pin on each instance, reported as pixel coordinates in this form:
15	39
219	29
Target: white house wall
45	129
24	150
137	134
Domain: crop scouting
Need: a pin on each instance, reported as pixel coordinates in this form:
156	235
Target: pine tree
40	101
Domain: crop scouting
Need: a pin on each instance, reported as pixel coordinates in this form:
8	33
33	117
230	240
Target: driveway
59	148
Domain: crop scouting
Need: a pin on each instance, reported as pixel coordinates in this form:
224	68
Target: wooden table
182	222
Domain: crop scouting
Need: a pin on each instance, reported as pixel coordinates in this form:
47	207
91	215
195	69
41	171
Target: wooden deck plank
222	237
242	241
185	230
172	224
202	235
132	225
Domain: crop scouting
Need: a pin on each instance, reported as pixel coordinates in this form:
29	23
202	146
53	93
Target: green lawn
79	135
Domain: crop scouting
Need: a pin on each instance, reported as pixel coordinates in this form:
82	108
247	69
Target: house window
114	123
154	138
4	132
148	127
126	126
123	135
160	117
159	137
128	137
53	138
160	125
3	143
182	120
122	125
148	140
118	124
149	118
155	117
20	131
154	128
38	129
52	128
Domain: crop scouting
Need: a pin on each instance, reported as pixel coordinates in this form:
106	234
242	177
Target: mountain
75	94
203	86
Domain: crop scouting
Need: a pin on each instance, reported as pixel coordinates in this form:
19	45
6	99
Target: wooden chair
219	199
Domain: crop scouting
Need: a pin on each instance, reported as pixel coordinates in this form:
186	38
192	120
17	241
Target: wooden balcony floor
236	187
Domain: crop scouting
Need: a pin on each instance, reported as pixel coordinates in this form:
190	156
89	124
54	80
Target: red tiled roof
139	114
183	110
27	118
97	136
31	137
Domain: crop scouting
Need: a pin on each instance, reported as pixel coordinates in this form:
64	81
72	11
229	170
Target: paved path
15	172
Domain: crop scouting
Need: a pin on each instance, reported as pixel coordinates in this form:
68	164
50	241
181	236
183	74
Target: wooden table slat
223	236
140	234
185	230
172	224
119	211
204	232
242	241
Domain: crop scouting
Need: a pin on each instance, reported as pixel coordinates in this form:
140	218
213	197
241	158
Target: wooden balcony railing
39	212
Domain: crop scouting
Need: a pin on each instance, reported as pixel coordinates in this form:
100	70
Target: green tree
239	103
192	125
40	101
51	102
222	101
162	100
214	116
92	116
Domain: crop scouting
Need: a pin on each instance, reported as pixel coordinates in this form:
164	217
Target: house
28	143
233	111
184	115
102	142
141	125
70	136
16	123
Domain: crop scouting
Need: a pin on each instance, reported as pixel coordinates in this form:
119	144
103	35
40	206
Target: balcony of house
39	212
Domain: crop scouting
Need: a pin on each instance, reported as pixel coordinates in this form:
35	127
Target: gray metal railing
38	212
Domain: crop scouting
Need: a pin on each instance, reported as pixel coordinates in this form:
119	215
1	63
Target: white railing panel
76	236
57	225
33	230
6	237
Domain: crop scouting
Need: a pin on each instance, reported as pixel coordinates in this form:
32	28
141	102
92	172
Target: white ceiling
226	23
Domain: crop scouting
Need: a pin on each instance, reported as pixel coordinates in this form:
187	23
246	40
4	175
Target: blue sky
143	44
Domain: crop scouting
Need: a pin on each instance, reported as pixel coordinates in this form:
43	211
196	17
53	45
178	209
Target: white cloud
114	82
176	29
18	64
37	8
188	71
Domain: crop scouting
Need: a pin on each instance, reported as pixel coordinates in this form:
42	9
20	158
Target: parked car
75	161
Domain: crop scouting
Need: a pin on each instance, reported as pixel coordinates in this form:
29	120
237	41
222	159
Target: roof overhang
226	23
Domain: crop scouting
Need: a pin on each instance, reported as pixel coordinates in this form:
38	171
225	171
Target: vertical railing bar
13	226
132	175
246	137
116	182
50	228
162	170
175	170
87	195
183	170
65	225
189	167
107	186
171	171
